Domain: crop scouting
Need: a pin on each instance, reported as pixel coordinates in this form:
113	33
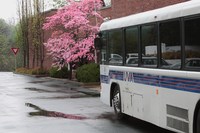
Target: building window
106	3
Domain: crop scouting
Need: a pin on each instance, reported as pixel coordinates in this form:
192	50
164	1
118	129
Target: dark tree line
30	33
7	33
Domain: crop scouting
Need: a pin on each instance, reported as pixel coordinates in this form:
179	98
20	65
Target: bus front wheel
117	102
198	122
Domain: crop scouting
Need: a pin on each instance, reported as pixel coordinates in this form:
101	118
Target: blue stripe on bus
183	84
104	79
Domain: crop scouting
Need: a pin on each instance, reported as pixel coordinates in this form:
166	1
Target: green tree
30	31
6	42
19	44
37	33
24	14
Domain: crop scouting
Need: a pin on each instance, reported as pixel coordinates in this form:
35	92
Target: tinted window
170	44
131	44
115	47
103	49
149	44
192	43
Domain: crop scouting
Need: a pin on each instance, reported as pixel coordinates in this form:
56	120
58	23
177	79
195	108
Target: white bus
161	83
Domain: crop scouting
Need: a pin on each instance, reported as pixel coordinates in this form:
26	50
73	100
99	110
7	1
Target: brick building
115	9
121	8
47	34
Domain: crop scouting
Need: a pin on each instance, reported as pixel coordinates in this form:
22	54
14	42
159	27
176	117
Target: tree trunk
70	71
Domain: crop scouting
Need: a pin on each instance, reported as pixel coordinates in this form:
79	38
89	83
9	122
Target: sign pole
15	62
15	51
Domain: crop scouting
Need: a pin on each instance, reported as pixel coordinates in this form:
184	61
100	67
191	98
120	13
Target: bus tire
198	122
117	102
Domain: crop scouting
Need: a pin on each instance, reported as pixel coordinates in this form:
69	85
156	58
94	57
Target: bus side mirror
97	43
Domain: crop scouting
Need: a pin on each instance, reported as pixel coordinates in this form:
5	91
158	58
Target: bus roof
165	13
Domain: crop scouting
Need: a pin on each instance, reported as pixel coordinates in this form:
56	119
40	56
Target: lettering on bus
128	76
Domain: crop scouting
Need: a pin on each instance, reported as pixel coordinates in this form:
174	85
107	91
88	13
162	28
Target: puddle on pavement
36	89
91	93
52	91
107	115
42	112
37	82
64	97
70	93
54	85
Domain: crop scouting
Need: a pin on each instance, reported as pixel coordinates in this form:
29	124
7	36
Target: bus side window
115	48
170	44
192	43
131	46
103	55
149	45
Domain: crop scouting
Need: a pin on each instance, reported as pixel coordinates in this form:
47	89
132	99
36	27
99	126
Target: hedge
88	73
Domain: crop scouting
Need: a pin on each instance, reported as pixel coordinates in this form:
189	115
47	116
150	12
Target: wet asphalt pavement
46	105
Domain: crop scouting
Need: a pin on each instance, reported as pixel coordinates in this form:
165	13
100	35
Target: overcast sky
8	9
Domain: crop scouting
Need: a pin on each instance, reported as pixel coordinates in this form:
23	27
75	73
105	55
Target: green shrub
88	73
35	71
23	70
39	71
59	73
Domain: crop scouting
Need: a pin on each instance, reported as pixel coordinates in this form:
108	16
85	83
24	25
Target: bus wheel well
111	92
197	109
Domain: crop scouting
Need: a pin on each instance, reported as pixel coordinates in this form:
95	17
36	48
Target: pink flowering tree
72	39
